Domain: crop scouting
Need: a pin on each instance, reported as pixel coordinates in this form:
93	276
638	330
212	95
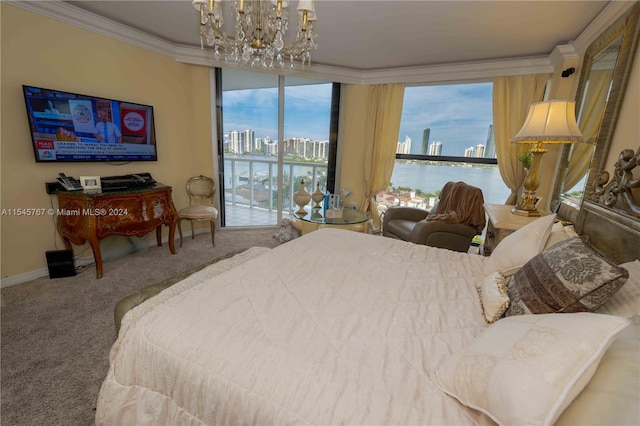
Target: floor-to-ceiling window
262	170
446	134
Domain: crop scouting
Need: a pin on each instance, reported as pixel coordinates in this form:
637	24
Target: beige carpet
57	333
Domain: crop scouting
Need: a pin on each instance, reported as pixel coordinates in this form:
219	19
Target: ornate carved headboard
610	213
617	193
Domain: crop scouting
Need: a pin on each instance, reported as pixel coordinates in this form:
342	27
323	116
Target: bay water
428	177
431	178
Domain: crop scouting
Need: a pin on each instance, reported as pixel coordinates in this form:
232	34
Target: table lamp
551	122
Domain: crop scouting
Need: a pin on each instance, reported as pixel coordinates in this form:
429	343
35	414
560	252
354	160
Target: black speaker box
60	263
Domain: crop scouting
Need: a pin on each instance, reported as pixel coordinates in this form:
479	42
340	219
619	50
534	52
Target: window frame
332	131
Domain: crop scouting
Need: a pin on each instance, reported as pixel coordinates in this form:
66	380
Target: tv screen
72	127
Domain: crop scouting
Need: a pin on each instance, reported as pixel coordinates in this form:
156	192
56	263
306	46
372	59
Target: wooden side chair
201	190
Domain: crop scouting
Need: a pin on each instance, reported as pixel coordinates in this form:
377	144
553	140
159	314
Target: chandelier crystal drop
259	33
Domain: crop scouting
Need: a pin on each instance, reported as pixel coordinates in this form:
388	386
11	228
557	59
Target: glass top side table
353	220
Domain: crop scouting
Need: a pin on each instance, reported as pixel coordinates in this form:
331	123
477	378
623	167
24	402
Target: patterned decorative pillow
568	277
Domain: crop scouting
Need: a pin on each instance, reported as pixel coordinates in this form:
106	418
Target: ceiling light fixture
260	30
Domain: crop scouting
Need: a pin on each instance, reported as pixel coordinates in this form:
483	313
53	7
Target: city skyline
486	150
456	115
307	111
243	142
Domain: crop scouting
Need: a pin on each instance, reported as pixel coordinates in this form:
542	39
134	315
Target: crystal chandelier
260	29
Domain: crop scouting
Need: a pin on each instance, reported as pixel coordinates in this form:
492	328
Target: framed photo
91	183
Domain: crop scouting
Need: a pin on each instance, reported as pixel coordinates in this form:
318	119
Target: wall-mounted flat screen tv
71	127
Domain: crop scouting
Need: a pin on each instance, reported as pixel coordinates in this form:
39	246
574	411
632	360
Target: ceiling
375	35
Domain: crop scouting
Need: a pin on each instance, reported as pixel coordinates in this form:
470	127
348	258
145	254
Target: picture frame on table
90	183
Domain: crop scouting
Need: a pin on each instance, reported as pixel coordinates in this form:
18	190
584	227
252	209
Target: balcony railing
251	185
253	182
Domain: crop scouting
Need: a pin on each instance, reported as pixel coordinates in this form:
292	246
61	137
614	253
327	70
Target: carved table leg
172	234
159	235
67	244
97	255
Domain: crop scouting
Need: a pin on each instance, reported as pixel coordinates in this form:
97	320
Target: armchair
452	223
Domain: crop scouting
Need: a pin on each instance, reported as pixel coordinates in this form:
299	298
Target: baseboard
24	277
43	272
80	262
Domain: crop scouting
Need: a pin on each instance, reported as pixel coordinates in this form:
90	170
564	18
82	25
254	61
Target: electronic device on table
108	183
69	127
115	183
69	183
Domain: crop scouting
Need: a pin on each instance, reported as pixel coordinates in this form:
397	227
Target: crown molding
608	16
411	75
69	14
449	73
196	56
561	54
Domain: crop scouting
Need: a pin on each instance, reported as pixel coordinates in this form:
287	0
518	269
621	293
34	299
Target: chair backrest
460	203
201	190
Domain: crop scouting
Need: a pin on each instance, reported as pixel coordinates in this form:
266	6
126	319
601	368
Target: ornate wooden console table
132	212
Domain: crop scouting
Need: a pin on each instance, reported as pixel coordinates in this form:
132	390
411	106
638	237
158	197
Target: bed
332	328
338	327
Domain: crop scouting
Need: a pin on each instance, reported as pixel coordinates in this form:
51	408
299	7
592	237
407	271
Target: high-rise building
270	147
319	149
425	141
323	149
235	142
435	148
490	151
248	140
404	147
474	151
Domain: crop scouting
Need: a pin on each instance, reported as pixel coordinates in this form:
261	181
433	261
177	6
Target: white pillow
520	247
494	299
559	232
626	301
611	396
571	231
526	370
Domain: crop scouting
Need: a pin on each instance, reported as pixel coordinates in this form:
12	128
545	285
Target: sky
458	115
306	113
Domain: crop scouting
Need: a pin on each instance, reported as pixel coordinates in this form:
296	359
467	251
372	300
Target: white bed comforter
335	327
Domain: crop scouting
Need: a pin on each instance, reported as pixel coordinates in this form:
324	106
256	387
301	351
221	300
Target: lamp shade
285	3
309	7
550	122
197	3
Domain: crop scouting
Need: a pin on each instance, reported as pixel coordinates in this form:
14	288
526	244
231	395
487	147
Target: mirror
603	79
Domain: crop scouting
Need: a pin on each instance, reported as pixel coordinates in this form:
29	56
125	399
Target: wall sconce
551	122
568	72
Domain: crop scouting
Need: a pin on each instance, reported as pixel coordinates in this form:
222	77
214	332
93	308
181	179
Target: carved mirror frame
627	27
609	214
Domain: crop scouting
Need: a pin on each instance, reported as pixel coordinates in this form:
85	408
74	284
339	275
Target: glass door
275	132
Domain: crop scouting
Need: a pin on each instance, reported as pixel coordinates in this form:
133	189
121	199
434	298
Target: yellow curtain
512	96
384	110
592	109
